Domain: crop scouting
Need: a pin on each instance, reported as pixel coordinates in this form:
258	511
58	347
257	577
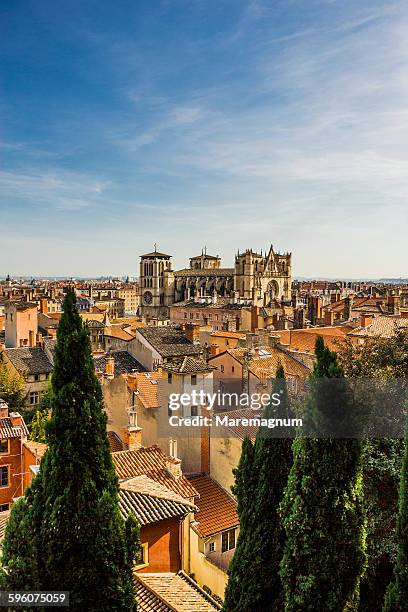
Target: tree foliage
322	509
12	388
397	594
80	543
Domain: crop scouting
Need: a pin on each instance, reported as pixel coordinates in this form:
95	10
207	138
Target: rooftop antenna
155	247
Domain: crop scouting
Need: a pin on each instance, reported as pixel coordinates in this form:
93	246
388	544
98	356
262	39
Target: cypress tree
71	510
322	509
396	599
273	460
242	582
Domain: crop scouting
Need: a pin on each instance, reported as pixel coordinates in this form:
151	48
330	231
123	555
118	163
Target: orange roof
217	510
265	366
151	462
228	334
115	441
146	386
304	340
37	449
116	331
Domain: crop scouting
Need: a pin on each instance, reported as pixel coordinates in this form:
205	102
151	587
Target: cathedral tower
155	276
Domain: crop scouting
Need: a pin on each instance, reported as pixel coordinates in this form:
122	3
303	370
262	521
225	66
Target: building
256	279
34	365
21	324
161	514
153	346
218	315
13	433
214	534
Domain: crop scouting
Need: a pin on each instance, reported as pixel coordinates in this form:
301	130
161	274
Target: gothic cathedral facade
257	279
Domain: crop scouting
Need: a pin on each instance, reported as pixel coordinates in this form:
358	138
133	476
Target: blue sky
225	123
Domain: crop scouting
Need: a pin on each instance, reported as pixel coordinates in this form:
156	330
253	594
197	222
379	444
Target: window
4	507
170	378
4	475
194	379
142	558
211	547
222	368
4	447
194	411
228	540
36	377
34	398
232	369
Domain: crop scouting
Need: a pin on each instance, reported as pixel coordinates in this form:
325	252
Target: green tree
242	582
322	509
12	388
273	460
38	426
397	595
80	542
379	358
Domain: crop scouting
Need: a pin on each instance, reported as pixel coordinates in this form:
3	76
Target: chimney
3	410
173	463
110	367
132	434
192	332
16	419
366	320
393	304
43	305
348	307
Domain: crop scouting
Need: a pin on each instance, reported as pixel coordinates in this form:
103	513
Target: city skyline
195	124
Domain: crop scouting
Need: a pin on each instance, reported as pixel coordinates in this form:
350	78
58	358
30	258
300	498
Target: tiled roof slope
146	386
382	327
8	431
115	441
188	365
169	341
4	517
124	363
265	366
150	501
29	360
151	462
174	593
217	511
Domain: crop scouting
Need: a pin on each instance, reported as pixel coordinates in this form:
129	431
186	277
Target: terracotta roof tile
150	501
115	441
150	461
174	593
146	386
217	511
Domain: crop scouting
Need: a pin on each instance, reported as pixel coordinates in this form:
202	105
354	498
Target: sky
229	124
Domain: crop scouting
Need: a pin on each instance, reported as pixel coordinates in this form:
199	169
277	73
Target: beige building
21	324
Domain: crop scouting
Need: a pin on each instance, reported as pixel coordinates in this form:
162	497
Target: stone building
256	279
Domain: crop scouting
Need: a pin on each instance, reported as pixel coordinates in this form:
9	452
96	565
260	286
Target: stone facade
256	279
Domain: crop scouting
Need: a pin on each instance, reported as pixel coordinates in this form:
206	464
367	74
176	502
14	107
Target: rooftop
188	365
381	327
166	592
151	501
124	363
169	341
8	430
217	510
151	462
146	386
29	360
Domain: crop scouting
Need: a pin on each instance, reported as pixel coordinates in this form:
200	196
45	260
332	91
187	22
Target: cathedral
256	279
